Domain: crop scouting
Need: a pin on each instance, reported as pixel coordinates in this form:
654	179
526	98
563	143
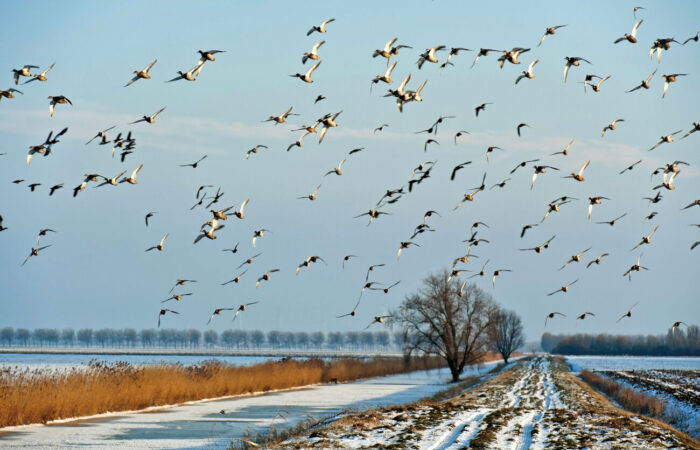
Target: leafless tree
506	334
436	320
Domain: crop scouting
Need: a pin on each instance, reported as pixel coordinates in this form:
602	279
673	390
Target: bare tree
506	333
436	320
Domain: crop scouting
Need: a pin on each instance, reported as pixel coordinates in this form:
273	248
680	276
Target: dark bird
457	168
54	188
520	126
243	307
628	313
194	164
149	215
551	316
630	167
216	312
163	312
481	107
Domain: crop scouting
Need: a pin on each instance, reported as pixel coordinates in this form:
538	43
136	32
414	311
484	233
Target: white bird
307	76
321	28
328	121
528	73
159	247
572	61
313	54
132	179
632	37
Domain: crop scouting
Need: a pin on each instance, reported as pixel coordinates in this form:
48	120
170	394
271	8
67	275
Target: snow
579	363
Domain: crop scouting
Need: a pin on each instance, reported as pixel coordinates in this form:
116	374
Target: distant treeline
230	339
684	342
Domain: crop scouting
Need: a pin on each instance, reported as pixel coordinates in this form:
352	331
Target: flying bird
572	61
597	260
194	164
321	28
216	312
671	79
163	312
549	32
631	37
34	252
159	247
57	100
628	313
645	239
610	126
149	119
551	316
243	307
563	289
306	77
41	76
481	107
637	267
138	74
644	83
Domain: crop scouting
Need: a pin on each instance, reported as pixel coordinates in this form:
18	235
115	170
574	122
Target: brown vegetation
629	399
38	396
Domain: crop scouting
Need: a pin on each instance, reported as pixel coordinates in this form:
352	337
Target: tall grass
38	396
629	399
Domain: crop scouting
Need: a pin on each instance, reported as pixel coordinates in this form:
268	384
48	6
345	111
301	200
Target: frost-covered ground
680	389
538	403
598	363
214	424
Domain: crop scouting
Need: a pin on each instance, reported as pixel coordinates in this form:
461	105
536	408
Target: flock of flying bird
401	96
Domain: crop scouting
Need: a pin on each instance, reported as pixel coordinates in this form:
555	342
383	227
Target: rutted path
537	403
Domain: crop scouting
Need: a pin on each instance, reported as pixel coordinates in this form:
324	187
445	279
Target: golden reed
38	396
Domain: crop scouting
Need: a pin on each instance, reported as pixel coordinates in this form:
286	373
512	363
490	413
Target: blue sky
97	274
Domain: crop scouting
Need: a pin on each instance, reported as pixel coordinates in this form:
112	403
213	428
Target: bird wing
636	27
148	67
311	70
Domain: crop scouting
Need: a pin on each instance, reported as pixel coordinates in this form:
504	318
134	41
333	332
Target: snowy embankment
538	403
679	389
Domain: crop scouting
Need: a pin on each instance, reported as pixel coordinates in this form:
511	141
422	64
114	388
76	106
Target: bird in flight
163	312
628	313
150	119
138	74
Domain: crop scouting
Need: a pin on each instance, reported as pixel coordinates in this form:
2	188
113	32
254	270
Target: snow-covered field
536	404
214	424
597	363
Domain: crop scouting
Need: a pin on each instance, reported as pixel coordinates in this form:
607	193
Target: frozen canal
203	425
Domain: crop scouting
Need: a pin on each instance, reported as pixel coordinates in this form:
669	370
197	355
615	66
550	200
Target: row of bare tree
171	338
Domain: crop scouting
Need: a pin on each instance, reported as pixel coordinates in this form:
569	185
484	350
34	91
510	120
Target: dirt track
536	403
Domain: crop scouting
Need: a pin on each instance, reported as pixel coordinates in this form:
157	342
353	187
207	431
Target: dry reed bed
629	399
39	396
